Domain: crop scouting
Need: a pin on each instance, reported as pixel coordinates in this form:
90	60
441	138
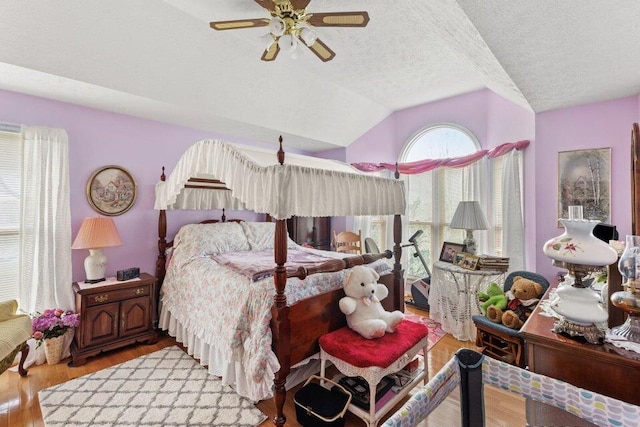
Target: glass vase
628	300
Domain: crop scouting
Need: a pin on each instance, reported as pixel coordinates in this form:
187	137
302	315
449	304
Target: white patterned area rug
164	388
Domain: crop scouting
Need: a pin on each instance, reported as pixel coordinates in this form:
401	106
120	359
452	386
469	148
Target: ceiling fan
290	24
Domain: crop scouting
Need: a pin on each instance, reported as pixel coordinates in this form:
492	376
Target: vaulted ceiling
161	60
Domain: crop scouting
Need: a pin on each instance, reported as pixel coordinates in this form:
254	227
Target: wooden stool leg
323	365
25	351
372	404
425	362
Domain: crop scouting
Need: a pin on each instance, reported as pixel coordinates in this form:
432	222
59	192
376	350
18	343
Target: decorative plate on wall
111	190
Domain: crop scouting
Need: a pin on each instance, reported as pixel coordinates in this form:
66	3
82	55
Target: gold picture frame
111	190
584	179
469	261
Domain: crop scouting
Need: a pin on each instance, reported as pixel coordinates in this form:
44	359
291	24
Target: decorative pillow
199	240
261	235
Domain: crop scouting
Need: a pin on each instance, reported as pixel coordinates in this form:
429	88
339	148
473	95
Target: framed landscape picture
111	190
584	179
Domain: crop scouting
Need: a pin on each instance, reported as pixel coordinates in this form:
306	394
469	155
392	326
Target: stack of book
488	262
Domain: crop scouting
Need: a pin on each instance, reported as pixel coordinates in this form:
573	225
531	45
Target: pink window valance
426	165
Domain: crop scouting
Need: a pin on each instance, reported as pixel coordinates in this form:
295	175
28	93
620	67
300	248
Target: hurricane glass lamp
469	216
628	300
580	252
95	234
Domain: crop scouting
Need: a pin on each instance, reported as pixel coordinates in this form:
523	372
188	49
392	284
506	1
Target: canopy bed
213	174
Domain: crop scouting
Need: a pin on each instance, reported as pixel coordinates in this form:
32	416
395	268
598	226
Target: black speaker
605	232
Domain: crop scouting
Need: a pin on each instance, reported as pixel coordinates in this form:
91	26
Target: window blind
10	198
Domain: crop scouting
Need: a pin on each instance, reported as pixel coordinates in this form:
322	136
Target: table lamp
95	234
469	216
580	252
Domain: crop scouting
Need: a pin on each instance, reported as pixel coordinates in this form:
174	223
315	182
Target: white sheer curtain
513	225
45	249
476	181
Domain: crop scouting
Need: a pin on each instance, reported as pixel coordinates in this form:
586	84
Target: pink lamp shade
95	234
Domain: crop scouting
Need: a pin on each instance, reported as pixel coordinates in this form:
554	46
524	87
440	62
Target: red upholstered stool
354	356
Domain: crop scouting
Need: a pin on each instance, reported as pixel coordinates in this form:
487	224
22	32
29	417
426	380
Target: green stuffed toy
494	296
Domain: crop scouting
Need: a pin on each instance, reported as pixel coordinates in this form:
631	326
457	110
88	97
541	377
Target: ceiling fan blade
240	23
321	50
267	4
339	19
271	53
299	4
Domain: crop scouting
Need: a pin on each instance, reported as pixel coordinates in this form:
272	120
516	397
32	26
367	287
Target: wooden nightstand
113	314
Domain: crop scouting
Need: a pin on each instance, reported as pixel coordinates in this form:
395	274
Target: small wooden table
599	368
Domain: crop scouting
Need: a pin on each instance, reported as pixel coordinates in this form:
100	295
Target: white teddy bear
362	306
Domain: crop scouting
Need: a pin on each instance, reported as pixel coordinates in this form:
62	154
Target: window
434	196
10	182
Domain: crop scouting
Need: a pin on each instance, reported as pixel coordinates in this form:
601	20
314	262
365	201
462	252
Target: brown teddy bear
523	297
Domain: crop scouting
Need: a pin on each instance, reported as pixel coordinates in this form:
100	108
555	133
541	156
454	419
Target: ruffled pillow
200	240
261	235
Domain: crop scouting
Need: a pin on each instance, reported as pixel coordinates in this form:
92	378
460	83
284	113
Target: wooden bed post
280	323
281	326
161	262
398	274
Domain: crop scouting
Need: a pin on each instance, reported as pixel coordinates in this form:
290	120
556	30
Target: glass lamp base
630	329
591	333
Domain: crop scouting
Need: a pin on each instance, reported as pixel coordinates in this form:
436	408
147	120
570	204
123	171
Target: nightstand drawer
117	295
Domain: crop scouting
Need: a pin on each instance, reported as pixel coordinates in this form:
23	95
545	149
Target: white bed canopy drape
253	178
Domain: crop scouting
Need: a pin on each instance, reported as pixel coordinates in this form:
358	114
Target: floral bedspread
257	265
232	314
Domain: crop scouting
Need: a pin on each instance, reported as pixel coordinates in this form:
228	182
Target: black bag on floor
317	406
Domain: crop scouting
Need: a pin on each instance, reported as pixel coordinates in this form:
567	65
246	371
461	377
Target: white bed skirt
217	360
232	373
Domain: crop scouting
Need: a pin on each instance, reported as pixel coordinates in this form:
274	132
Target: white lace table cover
453	297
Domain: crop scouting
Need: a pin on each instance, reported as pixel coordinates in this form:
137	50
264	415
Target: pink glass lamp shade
95	234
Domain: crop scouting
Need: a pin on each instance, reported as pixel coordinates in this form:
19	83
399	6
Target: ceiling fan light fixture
277	26
267	40
288	43
297	51
308	36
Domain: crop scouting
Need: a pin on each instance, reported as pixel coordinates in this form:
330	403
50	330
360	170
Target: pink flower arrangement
53	323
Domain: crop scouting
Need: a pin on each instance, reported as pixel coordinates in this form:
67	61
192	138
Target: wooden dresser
313	231
598	368
113	314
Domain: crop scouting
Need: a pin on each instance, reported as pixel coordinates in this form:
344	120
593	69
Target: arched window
433	197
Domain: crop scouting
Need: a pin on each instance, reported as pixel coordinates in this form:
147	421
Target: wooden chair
347	241
15	330
499	341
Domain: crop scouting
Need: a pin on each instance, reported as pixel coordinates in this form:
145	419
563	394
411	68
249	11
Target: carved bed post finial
224	218
162	176
280	152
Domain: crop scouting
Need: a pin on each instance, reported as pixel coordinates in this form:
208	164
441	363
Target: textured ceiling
160	60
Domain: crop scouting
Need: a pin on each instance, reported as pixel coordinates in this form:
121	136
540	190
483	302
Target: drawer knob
139	291
102	298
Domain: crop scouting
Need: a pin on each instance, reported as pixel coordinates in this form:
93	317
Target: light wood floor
19	396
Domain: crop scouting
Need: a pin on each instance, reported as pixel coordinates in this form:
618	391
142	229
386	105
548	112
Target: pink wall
384	142
598	125
98	138
493	120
